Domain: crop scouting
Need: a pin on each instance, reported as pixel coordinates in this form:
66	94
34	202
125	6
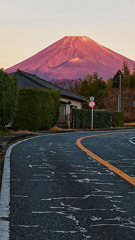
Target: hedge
37	109
8	97
102	119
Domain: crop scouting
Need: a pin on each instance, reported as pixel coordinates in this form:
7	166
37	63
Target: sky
30	26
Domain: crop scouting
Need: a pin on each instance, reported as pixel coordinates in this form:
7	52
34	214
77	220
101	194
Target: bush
102	119
8	97
56	106
37	109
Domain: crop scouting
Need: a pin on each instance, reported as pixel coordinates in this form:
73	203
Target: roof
27	80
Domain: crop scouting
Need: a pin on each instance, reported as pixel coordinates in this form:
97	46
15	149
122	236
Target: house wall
78	104
66	110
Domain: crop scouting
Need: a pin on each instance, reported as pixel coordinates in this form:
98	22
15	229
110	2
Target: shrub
56	106
36	109
102	119
8	96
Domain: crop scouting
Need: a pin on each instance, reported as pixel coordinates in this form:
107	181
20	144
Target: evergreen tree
8	96
92	85
125	70
116	79
132	79
126	75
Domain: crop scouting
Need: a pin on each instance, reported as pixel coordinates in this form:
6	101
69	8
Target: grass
130	124
10	132
3	132
57	129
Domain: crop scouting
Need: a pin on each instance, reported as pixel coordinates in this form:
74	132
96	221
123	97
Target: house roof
27	80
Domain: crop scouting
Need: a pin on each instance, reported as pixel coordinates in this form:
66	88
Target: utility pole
119	97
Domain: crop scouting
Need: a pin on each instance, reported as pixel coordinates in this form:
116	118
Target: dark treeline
8	97
106	93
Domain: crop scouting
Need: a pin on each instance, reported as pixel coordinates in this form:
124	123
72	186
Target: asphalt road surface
60	192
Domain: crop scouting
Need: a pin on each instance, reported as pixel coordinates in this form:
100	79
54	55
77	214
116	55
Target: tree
116	79
92	85
125	70
126	75
132	79
8	97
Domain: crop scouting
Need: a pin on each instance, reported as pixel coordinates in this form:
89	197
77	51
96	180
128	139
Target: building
68	100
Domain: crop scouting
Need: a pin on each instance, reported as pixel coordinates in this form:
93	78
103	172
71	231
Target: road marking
130	140
108	165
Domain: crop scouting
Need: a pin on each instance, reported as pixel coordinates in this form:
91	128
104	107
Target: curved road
60	192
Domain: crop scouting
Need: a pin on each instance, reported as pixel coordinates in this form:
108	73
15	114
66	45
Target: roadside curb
5	198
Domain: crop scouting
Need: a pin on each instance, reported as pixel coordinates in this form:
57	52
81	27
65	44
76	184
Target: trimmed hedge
8	97
102	119
56	106
37	109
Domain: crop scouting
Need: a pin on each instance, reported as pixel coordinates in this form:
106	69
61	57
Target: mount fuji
73	57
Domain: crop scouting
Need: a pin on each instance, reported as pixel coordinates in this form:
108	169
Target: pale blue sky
29	26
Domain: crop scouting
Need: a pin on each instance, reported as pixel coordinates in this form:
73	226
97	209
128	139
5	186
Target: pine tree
132	79
116	79
126	75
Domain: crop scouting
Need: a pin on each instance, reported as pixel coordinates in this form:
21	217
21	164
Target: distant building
68	100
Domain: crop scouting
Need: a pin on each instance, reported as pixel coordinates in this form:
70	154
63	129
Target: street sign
92	104
91	98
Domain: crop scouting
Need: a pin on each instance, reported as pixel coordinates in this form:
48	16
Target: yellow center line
108	165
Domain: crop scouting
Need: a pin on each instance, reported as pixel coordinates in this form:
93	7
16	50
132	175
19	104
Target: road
58	191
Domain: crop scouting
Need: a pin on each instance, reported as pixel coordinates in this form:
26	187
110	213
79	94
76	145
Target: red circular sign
92	104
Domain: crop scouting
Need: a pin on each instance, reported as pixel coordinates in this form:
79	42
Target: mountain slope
73	58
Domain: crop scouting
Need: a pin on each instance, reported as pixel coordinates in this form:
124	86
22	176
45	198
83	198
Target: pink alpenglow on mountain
73	58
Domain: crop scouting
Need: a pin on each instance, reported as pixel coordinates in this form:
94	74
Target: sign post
92	105
92	119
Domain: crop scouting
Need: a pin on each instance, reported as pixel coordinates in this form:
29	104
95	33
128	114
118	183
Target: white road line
131	140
